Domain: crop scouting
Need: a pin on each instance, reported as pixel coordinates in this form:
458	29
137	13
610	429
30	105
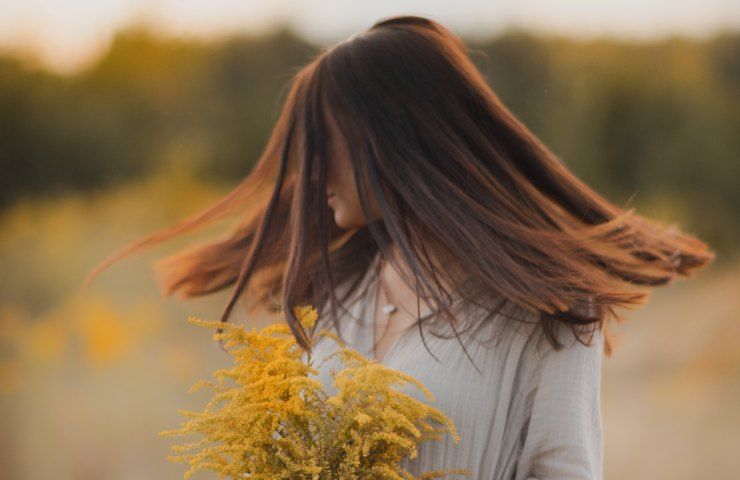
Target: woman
441	237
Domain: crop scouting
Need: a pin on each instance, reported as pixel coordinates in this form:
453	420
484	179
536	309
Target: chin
346	223
341	223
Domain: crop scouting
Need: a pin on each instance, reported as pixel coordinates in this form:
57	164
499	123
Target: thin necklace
390	308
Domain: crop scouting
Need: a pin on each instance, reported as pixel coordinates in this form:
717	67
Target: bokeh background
118	118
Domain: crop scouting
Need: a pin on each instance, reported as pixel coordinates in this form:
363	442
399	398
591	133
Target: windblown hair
467	193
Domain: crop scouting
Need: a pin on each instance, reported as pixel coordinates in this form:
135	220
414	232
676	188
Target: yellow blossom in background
48	338
104	334
279	423
90	326
107	335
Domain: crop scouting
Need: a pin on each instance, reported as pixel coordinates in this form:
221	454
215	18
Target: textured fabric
533	412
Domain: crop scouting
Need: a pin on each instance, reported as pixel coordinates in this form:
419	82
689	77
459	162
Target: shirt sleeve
563	437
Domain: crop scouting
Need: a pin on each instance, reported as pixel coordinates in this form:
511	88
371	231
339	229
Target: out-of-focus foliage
651	123
147	101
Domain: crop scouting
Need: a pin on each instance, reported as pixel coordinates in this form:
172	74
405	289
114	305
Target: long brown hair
467	193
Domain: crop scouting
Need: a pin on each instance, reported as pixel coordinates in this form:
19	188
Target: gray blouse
533	413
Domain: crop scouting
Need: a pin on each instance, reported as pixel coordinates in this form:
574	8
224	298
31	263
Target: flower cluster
279	423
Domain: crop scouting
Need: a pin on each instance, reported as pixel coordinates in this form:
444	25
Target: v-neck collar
364	317
367	317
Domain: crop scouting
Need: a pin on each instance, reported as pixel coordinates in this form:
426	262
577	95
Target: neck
401	293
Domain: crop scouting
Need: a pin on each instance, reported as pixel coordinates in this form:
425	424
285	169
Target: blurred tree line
651	125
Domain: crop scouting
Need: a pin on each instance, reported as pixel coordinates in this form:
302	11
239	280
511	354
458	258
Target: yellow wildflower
362	418
278	422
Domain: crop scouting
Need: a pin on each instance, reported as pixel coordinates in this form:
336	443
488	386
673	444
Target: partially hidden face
342	195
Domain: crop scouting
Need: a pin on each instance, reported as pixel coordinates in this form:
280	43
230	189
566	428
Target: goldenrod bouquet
279	423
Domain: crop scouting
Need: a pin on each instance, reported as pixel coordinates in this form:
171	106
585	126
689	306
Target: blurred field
158	126
669	393
88	379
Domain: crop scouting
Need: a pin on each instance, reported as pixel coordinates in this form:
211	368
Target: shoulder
563	432
566	343
576	358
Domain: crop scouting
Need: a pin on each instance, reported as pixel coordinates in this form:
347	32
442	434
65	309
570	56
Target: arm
563	437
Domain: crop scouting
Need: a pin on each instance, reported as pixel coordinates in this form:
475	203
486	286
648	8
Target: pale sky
66	34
